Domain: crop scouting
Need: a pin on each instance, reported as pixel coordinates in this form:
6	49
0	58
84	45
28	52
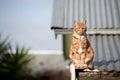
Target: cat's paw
87	69
87	60
84	66
75	61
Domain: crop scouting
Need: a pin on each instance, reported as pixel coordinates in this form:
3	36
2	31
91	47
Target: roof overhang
65	31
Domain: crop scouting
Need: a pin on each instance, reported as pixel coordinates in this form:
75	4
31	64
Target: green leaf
12	63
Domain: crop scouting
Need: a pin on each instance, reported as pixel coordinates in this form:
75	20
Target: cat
81	52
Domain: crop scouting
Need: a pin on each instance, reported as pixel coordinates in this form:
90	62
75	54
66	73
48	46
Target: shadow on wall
54	75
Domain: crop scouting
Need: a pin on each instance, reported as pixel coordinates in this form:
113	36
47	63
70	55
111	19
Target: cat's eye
88	52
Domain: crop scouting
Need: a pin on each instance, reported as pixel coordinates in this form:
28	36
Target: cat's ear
84	22
75	23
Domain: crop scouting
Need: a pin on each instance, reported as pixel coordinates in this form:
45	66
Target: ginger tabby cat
81	53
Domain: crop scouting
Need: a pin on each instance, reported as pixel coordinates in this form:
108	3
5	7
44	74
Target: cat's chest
80	37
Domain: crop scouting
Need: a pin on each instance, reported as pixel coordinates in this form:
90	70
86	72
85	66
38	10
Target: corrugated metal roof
100	14
106	51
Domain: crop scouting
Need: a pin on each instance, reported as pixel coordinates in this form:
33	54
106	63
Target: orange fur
81	53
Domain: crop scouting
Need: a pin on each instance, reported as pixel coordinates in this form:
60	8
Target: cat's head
80	27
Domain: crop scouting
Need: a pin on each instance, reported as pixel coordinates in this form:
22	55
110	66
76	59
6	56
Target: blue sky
28	23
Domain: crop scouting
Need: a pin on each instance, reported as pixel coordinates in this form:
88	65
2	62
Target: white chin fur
80	36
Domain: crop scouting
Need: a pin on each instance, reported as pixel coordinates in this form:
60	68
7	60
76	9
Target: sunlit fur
81	53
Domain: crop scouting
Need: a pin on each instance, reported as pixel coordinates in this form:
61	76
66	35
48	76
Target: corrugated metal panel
58	13
100	14
106	51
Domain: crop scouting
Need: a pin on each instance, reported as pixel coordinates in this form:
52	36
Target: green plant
4	46
13	64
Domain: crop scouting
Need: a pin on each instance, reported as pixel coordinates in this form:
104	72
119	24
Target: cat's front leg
82	62
76	63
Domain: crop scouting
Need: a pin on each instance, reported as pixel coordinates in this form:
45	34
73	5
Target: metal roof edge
89	31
